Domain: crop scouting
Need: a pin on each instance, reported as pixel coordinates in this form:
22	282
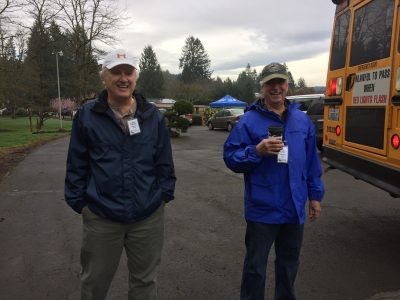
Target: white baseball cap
119	57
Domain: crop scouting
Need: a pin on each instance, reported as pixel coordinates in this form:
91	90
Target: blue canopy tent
227	101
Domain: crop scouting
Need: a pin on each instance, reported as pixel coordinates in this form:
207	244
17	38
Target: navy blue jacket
119	176
276	192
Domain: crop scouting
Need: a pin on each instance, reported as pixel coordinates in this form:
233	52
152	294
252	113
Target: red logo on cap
121	55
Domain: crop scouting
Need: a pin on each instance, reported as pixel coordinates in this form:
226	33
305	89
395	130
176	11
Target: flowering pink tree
68	106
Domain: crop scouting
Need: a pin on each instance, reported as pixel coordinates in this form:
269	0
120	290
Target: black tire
210	126
229	127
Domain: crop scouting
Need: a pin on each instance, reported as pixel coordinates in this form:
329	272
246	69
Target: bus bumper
383	177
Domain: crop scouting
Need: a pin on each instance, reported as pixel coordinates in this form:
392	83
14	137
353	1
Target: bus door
367	80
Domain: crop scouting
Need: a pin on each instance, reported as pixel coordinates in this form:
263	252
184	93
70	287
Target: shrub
183	107
208	113
182	123
176	122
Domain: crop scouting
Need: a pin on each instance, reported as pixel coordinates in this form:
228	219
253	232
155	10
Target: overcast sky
234	33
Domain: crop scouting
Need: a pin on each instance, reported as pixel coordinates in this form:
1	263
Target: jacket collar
259	105
101	104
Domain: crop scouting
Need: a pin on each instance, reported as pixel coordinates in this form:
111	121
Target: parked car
313	106
225	118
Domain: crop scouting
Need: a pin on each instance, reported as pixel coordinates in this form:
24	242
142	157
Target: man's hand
314	210
270	146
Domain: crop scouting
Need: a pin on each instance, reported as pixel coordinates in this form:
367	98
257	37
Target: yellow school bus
362	103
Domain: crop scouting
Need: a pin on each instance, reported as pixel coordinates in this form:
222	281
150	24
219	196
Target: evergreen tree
301	83
218	90
245	85
194	62
172	85
151	79
292	84
302	88
85	71
40	67
10	94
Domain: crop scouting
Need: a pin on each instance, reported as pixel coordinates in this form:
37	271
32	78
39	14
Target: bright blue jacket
119	176
275	192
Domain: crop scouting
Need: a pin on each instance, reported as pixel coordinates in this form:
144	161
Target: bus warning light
338	130
395	140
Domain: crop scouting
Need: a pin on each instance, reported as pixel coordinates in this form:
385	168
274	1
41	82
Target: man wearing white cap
274	146
120	173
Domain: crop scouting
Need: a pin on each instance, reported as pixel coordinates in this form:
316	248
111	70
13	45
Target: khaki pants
102	245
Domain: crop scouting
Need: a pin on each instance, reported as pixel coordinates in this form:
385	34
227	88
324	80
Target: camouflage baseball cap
273	70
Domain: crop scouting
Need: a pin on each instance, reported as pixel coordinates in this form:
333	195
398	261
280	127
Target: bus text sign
372	87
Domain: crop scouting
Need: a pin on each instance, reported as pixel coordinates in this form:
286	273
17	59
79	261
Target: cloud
233	33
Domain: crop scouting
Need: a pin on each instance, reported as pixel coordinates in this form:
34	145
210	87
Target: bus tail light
338	130
395	141
335	87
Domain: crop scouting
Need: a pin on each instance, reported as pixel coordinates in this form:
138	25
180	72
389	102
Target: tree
88	24
302	88
194	61
245	85
68	106
218	89
172	84
43	12
39	65
8	81
198	92
8	8
9	62
39	73
301	83
151	79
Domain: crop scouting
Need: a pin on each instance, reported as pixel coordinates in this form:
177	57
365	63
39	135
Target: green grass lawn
16	132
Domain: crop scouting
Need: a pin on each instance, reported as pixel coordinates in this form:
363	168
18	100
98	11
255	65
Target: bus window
372	32
339	45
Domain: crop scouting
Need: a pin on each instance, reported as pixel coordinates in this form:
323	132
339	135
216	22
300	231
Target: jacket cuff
251	152
166	198
77	207
316	197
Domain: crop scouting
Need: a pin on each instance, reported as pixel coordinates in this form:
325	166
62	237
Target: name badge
283	155
133	126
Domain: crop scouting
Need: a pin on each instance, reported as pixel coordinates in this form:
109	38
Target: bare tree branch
9	6
43	11
97	19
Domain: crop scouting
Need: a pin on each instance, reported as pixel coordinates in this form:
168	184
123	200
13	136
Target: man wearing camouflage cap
274	146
